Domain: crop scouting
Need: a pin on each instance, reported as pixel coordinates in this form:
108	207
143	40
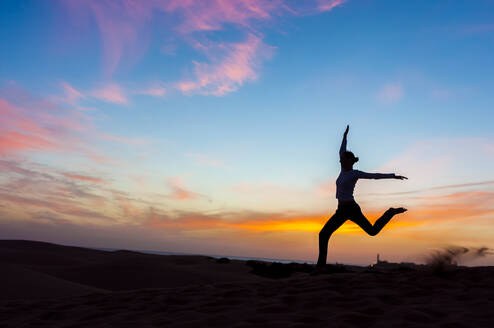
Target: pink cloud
28	185
123	24
72	95
186	86
327	5
237	66
41	127
11	142
128	207
390	93
125	32
15	167
111	93
85	178
211	15
29	124
179	192
120	24
64	207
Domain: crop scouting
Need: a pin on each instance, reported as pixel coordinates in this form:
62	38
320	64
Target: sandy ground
46	285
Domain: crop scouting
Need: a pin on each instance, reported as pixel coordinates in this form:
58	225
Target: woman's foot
398	210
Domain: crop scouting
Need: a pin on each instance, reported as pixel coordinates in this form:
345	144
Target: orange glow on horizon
301	224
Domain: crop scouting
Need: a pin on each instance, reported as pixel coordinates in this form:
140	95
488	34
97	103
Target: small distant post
377	262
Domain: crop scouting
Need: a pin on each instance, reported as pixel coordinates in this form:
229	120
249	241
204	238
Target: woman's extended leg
359	218
331	226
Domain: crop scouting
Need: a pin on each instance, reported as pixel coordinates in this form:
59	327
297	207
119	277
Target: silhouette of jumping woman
348	209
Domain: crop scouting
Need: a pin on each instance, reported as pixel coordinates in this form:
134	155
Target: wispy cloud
327	5
111	93
26	186
457	206
121	24
72	96
390	93
70	209
41	126
29	124
179	191
238	65
85	178
125	32
127	204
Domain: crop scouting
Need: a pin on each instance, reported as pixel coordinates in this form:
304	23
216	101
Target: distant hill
32	269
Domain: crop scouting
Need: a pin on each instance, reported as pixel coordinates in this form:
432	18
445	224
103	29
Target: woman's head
347	159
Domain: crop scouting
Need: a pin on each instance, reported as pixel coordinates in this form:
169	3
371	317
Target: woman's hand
400	177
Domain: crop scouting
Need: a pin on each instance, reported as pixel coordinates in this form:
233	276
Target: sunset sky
213	126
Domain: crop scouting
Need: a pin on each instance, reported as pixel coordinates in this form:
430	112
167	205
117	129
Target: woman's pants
348	211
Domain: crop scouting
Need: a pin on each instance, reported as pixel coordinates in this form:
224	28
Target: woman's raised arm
343	142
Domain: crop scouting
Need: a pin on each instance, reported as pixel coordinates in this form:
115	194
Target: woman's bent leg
331	226
359	218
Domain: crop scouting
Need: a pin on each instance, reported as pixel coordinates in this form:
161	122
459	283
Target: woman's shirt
345	184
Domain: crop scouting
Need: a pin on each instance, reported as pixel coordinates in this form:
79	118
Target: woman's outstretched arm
343	142
365	175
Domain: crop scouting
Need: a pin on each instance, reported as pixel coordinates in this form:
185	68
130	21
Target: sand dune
115	271
198	291
21	283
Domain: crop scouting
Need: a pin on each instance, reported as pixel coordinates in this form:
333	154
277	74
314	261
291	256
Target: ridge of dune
107	270
21	283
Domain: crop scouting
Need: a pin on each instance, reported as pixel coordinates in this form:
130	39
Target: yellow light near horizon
309	226
282	226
